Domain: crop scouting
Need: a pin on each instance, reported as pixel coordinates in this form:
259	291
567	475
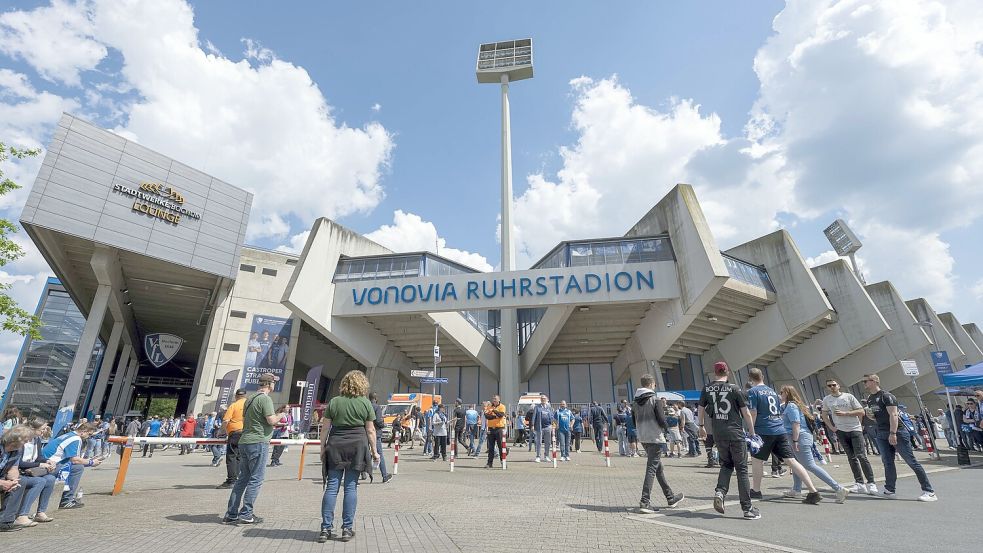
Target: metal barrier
129	441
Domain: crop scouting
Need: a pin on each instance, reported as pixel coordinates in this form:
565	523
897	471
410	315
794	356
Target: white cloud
55	40
410	233
977	290
827	256
296	244
377	107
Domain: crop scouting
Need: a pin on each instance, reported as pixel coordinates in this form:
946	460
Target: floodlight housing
511	57
843	240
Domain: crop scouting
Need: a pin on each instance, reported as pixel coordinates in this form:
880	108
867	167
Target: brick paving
169	503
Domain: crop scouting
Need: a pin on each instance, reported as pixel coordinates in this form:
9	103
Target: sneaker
325	535
347	534
928	496
791	494
674	500
756	494
225	485
536	460
230	520
812	498
387	478
752	514
9	527
718	501
646	508
858	487
841	494
251	519
71	505
887	494
872	489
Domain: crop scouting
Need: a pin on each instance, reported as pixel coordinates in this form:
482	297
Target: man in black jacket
599	421
379	425
648	413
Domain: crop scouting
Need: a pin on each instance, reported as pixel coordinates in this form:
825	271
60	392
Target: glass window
371	268
413	266
612	253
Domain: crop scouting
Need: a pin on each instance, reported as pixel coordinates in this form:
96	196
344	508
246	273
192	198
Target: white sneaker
859	488
791	493
928	496
536	460
841	494
872	489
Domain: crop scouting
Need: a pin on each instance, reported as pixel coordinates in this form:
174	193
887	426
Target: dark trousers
152	448
494	441
904	450
232	458
733	456
599	435
654	470
439	446
853	443
576	440
461	436
277	452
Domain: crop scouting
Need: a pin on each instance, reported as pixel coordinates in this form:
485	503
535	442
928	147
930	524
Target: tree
12	317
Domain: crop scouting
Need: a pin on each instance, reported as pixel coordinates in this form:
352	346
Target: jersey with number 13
722	403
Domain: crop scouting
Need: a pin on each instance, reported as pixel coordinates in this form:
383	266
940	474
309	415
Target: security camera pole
504	62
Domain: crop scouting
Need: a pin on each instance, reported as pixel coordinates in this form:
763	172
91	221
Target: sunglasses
832	385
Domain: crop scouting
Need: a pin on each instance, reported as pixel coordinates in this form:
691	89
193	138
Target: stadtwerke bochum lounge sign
634	282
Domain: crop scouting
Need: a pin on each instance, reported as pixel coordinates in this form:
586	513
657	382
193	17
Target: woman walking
798	421
351	423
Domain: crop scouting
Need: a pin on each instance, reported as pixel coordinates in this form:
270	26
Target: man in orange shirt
495	415
233	425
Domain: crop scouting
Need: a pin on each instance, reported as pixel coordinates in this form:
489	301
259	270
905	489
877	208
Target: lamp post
925	414
846	243
502	63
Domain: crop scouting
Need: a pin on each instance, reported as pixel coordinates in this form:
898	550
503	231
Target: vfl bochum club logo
161	348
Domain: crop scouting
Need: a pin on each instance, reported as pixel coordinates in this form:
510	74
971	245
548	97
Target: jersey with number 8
768	418
722	403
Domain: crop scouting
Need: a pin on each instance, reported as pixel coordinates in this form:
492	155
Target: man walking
842	412
460	421
564	422
765	407
650	423
258	419
233	427
380	423
471	427
893	438
153	431
495	415
598	422
688	421
542	423
724	403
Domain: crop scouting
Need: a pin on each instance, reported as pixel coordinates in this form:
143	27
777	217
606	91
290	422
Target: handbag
36	471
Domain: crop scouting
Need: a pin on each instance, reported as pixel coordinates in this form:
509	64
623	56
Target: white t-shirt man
843	402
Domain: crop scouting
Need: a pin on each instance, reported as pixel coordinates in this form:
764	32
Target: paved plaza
170	503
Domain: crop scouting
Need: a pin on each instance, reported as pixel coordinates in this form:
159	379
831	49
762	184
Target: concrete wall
700	270
74	194
965	341
905	341
857	323
929	381
975	334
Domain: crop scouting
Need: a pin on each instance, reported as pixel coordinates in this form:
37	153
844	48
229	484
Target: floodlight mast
846	243
503	62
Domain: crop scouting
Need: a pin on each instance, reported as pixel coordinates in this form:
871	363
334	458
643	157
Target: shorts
632	436
674	436
778	444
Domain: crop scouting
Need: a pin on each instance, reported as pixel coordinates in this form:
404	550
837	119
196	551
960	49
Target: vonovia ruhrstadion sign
158	200
634	282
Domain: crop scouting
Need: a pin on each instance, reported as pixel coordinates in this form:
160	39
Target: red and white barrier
502	451
827	458
607	450
396	458
553	445
928	445
453	452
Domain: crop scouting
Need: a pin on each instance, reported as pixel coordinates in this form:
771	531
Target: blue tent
970	376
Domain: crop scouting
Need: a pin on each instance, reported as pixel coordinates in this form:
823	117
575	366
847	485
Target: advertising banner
266	350
225	390
308	397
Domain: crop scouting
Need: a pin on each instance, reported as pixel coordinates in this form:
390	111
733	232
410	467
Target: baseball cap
268	378
240	392
720	368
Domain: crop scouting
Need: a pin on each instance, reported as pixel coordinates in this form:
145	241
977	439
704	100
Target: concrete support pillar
99	391
121	366
509	370
126	394
383	381
83	354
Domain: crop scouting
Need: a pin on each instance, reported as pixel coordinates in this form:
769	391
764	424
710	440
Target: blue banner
940	360
308	397
266	350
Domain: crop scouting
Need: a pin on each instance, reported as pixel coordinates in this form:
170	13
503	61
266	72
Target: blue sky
781	116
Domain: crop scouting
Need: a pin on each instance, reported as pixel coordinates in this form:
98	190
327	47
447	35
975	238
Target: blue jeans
904	450
382	457
622	440
563	436
39	488
480	439
217	452
74	477
12	504
252	462
544	440
533	439
330	499
804	456
598	436
91	447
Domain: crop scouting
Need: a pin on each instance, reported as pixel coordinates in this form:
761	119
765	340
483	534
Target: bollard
453	452
553	448
501	450
607	450
928	446
827	459
124	464
396	459
300	471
